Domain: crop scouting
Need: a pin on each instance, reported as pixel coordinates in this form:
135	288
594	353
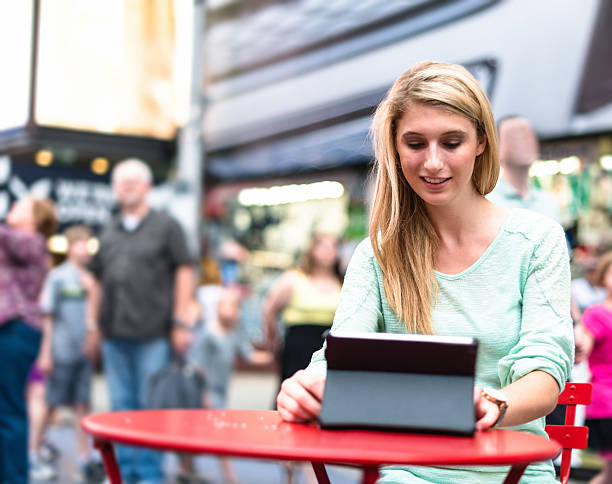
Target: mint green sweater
515	299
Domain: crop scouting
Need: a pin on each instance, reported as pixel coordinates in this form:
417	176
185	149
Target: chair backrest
571	436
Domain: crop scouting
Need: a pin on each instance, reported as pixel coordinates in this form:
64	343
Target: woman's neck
321	273
453	222
465	236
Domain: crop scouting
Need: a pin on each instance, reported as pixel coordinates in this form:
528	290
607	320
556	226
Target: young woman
307	299
443	259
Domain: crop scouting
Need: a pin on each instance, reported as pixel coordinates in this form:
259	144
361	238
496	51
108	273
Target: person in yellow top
307	299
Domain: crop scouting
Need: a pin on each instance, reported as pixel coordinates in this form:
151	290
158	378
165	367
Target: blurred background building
287	89
84	86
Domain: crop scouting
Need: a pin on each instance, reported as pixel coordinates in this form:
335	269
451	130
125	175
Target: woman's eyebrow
446	133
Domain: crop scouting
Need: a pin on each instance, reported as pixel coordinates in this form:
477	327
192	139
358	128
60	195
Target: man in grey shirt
518	149
145	279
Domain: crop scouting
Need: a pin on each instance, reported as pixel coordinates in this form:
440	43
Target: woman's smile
435	183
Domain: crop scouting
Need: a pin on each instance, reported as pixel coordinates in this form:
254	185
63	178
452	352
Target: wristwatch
498	398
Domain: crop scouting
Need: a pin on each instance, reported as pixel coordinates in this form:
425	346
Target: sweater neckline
483	256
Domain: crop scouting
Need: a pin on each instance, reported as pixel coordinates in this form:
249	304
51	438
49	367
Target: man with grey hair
518	149
144	282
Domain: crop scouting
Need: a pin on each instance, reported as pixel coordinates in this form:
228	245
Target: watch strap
502	405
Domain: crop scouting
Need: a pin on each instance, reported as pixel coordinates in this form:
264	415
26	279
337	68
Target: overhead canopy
336	146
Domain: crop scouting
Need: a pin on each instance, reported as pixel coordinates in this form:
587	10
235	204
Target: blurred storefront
578	173
89	85
291	88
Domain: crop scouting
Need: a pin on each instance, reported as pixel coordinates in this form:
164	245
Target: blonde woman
443	259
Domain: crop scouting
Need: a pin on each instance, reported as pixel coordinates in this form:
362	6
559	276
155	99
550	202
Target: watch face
496	394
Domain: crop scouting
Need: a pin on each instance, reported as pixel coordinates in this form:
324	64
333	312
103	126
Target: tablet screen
400	382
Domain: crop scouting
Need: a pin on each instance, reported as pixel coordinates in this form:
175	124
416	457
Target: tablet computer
400	381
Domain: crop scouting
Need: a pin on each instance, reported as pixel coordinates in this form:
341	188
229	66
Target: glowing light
279	195
569	165
99	165
606	162
544	168
44	157
58	244
93	245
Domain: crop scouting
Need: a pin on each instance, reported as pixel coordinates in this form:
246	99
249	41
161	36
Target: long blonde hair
401	233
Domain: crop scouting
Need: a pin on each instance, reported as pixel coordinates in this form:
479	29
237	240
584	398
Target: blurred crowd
146	314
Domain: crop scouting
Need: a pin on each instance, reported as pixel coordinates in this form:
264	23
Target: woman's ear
482	144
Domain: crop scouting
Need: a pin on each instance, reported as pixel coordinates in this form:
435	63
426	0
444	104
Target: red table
262	434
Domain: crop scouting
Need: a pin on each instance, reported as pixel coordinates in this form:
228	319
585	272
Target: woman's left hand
486	412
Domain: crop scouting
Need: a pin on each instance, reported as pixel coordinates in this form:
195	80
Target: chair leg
320	472
566	466
110	462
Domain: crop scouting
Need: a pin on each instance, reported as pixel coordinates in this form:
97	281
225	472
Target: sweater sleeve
360	308
546	338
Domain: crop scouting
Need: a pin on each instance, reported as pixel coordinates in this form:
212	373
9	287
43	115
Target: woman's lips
435	183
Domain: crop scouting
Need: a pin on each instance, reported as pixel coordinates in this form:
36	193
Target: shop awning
336	146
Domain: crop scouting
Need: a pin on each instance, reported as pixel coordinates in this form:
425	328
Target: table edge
263	452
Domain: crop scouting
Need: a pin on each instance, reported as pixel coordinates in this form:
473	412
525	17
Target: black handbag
177	385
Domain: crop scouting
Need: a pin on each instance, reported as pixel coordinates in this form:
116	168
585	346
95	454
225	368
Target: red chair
571	436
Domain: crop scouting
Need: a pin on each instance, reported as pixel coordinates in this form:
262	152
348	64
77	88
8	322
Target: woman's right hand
300	397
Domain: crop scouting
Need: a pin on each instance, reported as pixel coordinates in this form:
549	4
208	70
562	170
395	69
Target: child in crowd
597	344
62	359
215	352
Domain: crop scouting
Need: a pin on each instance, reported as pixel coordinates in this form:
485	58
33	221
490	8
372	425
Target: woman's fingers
314	384
290	410
486	412
300	397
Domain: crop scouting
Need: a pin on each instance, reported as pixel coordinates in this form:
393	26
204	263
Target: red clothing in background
598	320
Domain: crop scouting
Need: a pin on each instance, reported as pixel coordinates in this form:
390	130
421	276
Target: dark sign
80	195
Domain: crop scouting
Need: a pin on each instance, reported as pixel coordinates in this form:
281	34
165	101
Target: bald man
518	149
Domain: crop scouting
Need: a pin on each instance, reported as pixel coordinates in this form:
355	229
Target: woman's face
21	214
437	150
325	251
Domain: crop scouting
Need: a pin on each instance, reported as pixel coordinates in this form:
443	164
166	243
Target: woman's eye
415	145
452	144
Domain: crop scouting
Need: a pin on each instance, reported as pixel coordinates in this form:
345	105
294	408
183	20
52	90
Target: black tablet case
401	382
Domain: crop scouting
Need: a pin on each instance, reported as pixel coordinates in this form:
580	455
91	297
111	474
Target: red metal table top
262	434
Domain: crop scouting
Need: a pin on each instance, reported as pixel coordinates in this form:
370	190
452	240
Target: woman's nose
433	160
